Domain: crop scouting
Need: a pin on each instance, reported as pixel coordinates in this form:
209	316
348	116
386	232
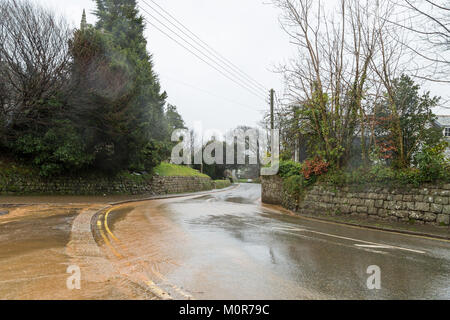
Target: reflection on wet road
222	245
228	246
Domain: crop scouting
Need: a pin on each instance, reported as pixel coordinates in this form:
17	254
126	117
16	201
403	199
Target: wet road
228	246
223	245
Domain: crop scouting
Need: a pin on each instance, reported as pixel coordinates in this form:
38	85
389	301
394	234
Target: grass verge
222	184
172	170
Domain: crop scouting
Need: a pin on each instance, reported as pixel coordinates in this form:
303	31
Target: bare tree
388	66
34	60
332	76
428	21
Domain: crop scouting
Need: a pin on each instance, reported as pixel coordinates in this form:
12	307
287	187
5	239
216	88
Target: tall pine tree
120	20
124	109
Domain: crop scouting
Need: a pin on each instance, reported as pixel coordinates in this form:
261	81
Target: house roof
443	121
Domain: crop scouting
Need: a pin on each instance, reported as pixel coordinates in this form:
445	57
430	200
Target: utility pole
272	117
201	168
272	99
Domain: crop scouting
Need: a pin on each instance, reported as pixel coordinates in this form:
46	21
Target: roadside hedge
222	184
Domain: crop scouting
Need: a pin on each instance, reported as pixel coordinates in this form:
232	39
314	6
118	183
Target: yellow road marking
160	293
107	227
153	287
106	240
157	291
181	292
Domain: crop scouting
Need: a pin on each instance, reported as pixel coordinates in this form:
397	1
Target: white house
444	123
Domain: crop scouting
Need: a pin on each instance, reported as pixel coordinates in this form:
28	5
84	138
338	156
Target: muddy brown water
217	246
32	257
14	200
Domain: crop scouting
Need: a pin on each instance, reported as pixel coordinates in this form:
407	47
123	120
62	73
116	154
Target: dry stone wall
425	205
153	186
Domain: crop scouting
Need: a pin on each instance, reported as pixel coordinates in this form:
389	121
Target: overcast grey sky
246	32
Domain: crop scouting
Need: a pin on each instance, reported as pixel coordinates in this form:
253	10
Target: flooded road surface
38	245
33	260
228	246
223	245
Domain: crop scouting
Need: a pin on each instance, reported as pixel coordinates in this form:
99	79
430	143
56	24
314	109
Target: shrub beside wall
222	184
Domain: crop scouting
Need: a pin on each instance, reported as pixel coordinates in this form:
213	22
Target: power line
199	42
207	47
238	82
211	93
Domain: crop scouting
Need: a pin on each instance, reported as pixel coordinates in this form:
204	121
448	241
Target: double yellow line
152	286
103	235
103	222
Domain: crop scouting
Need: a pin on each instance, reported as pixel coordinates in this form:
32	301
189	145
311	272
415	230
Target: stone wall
425	205
272	190
171	185
152	185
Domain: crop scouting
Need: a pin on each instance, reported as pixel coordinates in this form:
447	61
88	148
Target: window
447	132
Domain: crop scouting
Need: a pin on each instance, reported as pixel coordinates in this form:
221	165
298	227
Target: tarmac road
228	246
222	245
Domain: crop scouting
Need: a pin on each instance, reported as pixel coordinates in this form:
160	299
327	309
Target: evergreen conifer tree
117	94
139	115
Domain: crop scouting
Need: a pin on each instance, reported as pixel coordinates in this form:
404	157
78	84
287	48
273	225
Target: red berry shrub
315	167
